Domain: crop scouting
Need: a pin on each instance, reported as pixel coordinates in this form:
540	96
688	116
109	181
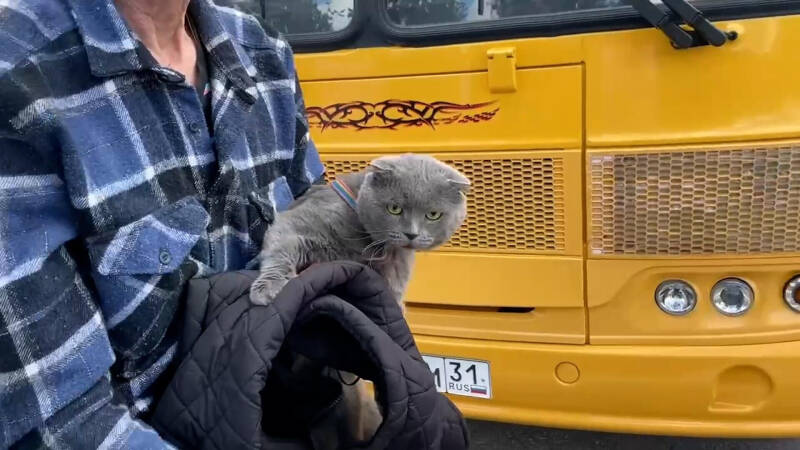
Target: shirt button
164	257
195	127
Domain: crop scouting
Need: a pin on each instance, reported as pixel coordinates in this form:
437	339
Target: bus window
416	12
298	16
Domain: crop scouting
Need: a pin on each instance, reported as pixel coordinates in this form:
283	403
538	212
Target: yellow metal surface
544	113
622	307
700	213
520	202
733	391
501	256
639	91
572	221
398	61
497	280
564	323
695	200
502	69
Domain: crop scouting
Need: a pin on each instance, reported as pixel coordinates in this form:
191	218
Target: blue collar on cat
344	191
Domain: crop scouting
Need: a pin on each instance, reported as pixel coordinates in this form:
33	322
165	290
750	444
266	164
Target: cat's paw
264	290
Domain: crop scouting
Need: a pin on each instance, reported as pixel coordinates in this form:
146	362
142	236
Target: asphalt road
496	436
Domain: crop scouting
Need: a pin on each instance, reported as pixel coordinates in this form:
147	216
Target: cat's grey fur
321	227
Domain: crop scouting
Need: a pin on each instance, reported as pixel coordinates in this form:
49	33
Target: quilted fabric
340	315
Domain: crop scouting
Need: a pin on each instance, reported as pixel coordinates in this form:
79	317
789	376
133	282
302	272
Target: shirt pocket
137	274
155	244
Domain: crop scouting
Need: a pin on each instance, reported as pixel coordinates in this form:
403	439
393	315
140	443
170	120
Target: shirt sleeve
54	347
307	167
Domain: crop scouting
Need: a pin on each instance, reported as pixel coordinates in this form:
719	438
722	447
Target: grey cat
399	205
403	204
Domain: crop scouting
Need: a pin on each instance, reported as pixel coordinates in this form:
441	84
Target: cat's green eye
433	215
394	209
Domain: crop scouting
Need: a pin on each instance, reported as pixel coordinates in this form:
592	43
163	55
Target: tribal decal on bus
394	114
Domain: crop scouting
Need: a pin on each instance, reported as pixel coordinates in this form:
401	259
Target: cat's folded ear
462	184
382	164
380	171
458	180
454	177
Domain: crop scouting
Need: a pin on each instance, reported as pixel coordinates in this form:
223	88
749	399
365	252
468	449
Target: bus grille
514	204
696	202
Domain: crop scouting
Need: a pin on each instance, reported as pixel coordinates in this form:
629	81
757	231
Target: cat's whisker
375	257
355	238
379	248
358	230
373	245
376	247
363	231
363	234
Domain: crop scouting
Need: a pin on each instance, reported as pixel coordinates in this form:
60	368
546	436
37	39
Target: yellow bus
631	257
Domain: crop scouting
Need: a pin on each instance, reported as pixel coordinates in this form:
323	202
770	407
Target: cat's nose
411	236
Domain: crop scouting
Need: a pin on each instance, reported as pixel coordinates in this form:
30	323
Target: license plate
460	376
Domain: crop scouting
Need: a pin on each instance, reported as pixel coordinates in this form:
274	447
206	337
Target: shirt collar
222	50
112	48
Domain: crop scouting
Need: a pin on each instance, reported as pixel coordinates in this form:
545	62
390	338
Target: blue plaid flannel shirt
114	191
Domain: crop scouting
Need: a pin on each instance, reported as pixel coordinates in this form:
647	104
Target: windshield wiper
703	32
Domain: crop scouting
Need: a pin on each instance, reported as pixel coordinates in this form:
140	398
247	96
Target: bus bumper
719	391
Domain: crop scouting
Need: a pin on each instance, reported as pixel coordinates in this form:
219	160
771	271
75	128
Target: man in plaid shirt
133	157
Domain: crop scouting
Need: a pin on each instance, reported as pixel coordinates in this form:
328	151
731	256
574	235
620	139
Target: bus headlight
675	297
792	293
732	297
